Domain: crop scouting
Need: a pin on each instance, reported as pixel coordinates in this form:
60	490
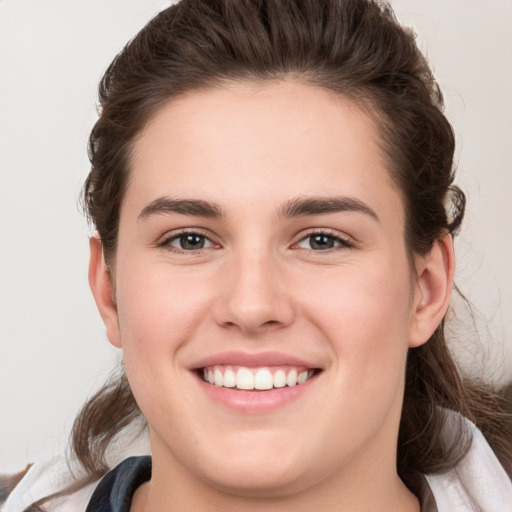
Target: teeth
218	378
291	378
279	379
229	379
303	376
263	380
244	379
248	379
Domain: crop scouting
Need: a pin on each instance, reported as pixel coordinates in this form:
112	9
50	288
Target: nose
254	298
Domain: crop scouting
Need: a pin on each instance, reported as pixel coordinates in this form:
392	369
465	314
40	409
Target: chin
259	481
259	465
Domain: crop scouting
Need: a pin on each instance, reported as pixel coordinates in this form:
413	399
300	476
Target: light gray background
53	351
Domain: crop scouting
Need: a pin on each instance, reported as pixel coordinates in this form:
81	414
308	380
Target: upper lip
252	360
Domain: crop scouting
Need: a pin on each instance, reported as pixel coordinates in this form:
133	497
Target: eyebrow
298	207
194	207
304	206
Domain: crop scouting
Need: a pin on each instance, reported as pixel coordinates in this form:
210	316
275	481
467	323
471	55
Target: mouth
245	378
255	383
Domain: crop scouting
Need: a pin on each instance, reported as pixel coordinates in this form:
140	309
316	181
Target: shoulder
61	484
9	482
54	485
116	489
477	483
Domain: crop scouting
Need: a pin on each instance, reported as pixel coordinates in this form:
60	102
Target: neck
185	493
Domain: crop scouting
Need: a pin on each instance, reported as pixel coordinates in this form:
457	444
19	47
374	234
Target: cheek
157	306
361	300
365	316
159	312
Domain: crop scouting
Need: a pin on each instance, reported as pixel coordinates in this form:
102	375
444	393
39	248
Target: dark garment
116	489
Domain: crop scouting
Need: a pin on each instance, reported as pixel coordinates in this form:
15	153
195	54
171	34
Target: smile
261	379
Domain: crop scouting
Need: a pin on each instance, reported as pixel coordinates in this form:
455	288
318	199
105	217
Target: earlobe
433	289
100	281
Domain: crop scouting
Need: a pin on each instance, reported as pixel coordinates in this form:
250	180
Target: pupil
322	242
192	242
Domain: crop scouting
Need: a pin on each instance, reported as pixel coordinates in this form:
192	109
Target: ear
100	281
433	288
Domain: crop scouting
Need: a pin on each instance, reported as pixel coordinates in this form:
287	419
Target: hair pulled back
355	48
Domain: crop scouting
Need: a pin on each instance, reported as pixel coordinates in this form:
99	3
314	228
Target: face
261	244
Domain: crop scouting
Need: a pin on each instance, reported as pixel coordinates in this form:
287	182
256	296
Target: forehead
246	142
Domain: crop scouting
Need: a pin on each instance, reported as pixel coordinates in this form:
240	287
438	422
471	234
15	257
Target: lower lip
255	401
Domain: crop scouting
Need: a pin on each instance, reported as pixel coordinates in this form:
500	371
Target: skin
259	285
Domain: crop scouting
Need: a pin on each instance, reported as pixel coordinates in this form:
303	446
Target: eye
323	242
189	241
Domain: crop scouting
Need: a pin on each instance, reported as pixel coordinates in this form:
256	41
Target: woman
273	195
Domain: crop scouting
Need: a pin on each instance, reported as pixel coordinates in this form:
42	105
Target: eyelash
166	243
343	242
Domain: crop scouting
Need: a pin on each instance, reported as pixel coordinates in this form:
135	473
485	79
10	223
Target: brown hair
357	49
